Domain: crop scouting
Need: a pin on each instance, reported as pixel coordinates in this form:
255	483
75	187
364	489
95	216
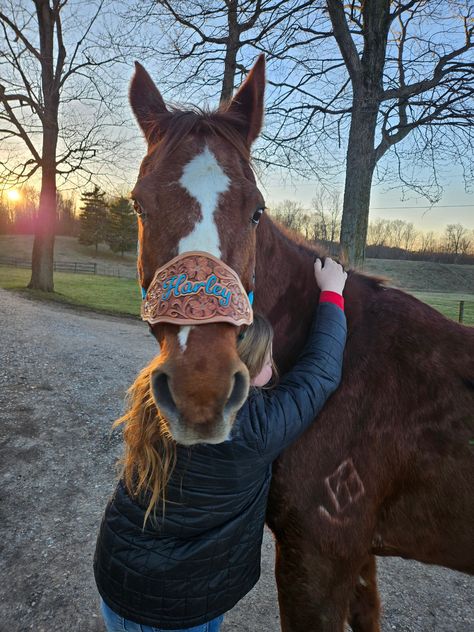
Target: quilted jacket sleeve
272	420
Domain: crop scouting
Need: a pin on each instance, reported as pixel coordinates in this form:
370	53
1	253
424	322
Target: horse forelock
175	126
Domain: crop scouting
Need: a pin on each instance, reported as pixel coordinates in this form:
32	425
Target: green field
442	286
448	304
100	293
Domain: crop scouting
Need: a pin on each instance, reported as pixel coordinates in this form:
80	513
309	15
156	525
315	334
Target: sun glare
13	195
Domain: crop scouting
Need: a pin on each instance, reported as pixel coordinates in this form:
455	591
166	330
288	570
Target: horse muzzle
199	409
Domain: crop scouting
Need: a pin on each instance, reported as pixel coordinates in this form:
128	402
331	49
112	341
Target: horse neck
285	289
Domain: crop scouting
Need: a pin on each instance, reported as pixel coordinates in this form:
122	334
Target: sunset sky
117	175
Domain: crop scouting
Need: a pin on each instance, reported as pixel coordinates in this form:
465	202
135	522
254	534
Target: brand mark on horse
344	488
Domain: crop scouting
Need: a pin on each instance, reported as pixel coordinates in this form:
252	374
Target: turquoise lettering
226	294
168	286
179	285
188	288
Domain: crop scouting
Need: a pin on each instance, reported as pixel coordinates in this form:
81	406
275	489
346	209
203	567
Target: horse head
196	191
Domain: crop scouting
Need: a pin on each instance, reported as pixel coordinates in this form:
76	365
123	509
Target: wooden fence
77	267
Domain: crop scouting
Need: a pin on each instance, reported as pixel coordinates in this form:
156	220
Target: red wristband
332	297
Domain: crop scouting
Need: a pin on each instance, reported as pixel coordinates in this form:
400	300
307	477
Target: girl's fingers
317	265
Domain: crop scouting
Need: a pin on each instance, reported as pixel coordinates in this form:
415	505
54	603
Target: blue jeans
115	623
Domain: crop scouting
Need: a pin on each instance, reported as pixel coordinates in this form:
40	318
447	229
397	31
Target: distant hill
419	276
424	276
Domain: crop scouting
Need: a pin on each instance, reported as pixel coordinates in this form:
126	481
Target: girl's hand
332	277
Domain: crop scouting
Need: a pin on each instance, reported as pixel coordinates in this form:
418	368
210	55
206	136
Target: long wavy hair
150	451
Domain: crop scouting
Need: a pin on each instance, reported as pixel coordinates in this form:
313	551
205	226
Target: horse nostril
162	394
239	392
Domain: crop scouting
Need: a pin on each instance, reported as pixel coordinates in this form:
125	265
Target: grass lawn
108	294
122	296
448	304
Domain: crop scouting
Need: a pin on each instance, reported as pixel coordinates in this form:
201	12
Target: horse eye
257	215
138	209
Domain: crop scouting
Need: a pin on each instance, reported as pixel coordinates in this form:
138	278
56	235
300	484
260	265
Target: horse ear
147	104
248	101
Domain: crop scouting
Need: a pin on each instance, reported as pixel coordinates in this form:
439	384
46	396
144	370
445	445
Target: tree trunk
43	246
366	74
359	172
230	60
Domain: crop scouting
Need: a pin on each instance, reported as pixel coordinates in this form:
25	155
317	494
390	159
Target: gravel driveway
63	375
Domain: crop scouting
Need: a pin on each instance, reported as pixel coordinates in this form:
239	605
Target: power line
420	208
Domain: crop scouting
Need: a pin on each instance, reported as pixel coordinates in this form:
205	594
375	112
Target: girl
179	544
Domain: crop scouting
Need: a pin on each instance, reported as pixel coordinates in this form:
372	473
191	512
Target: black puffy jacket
205	555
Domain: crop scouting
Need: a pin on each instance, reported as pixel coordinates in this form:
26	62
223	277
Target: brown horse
388	467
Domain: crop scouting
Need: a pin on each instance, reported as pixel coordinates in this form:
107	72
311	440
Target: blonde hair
255	345
150	450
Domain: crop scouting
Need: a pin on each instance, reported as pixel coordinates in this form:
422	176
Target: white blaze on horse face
183	337
204	180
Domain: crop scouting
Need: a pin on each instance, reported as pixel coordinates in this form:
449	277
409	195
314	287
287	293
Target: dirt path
63	376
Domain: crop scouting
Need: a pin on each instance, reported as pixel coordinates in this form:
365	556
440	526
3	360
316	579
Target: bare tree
406	78
326	207
360	78
458	240
53	105
410	235
291	214
25	210
397	229
211	44
5	217
428	242
379	233
395	233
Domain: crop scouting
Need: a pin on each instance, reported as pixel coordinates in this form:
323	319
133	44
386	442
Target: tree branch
61	56
4	18
439	72
179	18
79	44
21	130
404	7
344	40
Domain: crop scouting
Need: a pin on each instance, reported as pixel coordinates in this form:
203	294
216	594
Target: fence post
95	268
461	311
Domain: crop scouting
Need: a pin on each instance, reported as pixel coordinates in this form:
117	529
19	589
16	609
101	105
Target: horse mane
298	241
